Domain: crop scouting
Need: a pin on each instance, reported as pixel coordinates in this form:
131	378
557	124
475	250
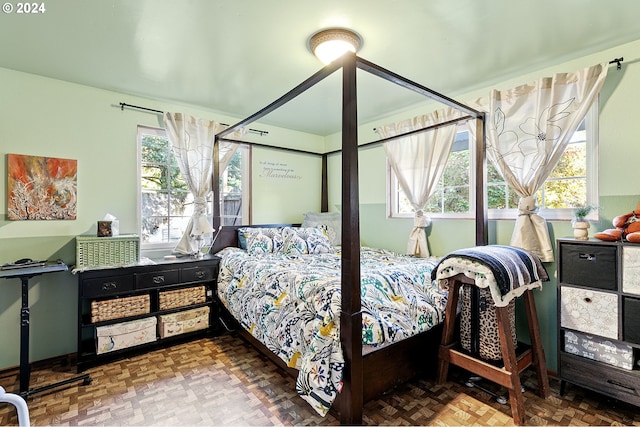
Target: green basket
92	251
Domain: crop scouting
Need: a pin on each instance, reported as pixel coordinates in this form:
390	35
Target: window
451	198
572	183
166	204
234	206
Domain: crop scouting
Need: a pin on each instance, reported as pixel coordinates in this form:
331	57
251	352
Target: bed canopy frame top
352	394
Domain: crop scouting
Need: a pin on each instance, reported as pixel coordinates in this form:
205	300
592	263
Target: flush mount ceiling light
332	43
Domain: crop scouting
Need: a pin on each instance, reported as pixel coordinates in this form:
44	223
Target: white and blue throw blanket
506	270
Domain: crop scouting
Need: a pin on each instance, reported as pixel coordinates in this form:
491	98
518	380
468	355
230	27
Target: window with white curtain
165	202
572	183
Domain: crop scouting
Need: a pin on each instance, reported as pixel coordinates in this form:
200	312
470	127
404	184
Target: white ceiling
237	56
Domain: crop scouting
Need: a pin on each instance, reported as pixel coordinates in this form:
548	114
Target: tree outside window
568	186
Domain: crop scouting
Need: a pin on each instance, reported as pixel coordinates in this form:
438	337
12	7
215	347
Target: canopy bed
364	375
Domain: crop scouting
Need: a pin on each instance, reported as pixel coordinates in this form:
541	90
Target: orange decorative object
627	228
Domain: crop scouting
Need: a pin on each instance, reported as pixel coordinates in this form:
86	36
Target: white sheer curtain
191	139
418	160
528	129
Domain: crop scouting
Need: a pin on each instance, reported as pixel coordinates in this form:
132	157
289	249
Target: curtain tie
527	206
419	220
199	206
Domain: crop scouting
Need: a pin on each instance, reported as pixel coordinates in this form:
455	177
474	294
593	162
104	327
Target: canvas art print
41	188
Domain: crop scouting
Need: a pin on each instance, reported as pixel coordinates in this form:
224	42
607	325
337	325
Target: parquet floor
223	381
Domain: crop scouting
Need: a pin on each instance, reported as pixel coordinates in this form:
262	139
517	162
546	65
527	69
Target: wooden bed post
324	192
215	185
351	314
482	225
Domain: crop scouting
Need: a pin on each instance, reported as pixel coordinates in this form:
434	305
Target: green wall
285	185
619	191
46	117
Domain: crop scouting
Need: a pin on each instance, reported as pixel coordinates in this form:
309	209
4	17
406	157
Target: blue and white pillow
262	240
308	240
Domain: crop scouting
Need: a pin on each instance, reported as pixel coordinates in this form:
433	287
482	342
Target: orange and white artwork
41	188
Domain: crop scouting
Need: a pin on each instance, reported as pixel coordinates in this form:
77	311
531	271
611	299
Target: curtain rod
123	104
257	144
617	61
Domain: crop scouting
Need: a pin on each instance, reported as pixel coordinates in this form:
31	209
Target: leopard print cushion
490	348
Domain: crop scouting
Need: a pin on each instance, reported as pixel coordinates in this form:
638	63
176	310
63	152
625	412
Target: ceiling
238	56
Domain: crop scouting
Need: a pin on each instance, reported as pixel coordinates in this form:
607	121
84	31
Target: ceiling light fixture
332	43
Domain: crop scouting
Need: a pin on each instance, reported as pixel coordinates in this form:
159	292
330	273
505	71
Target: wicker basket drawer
118	308
182	297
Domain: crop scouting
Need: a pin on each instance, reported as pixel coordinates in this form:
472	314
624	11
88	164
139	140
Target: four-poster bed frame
402	360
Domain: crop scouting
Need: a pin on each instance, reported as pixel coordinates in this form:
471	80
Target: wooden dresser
599	317
128	310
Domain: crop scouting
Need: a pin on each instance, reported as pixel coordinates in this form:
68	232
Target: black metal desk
24	274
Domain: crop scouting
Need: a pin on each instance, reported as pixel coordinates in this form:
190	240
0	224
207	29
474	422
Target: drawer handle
588	300
108	286
619	384
200	274
587	257
158	279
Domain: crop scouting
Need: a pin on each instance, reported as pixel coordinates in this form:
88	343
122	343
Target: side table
24	274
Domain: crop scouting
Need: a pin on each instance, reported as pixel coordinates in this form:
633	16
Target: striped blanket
506	270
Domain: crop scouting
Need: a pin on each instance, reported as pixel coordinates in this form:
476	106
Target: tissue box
104	229
601	349
183	322
109	228
126	334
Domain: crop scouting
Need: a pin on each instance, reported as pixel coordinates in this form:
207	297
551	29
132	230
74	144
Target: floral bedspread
292	305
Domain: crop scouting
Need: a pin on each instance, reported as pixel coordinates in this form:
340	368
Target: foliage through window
572	183
166	204
234	206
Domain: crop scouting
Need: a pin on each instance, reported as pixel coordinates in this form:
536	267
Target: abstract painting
41	188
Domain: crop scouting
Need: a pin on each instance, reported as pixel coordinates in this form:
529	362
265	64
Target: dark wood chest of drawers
599	317
128	310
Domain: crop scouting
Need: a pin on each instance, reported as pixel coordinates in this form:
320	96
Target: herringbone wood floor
224	381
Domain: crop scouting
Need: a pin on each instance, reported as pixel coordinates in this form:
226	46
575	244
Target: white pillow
329	222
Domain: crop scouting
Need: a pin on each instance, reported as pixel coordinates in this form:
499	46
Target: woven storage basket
94	251
182	297
119	307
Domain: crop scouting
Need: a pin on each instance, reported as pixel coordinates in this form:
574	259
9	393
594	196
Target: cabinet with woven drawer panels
599	317
129	310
